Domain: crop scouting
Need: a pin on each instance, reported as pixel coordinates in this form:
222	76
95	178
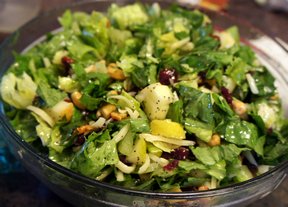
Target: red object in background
215	4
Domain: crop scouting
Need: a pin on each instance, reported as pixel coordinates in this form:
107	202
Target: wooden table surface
21	189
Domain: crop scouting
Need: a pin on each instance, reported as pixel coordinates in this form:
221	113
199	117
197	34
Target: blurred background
20	188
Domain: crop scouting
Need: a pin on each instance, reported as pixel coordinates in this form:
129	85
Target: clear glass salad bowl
82	191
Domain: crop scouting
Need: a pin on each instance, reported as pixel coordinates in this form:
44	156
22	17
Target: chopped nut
91	68
203	187
275	97
85	129
76	99
113	92
215	140
118	116
114	72
106	110
239	108
211	82
98	113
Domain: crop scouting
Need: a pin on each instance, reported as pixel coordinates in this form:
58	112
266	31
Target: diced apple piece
167	128
156	99
60	110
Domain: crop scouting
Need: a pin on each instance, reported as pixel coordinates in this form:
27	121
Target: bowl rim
6	126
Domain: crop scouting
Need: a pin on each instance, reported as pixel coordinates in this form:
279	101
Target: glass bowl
83	191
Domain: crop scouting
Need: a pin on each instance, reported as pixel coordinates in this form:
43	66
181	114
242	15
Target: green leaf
246	54
197	104
175	112
51	96
94	159
190	165
66	19
237	71
201	130
244	133
273	154
218	170
127	16
222	104
213	155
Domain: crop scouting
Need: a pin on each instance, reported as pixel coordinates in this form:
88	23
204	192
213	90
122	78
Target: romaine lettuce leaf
92	159
127	16
197	105
243	133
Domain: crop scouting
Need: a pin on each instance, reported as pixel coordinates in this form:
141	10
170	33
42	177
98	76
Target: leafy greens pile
148	99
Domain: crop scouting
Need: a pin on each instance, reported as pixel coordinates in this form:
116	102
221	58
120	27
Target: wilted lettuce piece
64	158
89	99
24	125
201	130
264	83
139	125
92	159
194	181
43	131
238	172
195	17
218	170
78	50
66	19
171	44
18	91
246	54
237	71
51	96
50	137
191	165
244	133
56	43
273	154
212	155
175	112
197	105
222	104
269	114
127	16
128	63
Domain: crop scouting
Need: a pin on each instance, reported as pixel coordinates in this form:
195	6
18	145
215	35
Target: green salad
148	99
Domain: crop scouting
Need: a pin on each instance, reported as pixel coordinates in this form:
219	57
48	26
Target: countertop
21	189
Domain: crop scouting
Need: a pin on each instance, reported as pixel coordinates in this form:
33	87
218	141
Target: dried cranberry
168	76
123	159
171	166
180	153
227	95
270	130
67	61
80	140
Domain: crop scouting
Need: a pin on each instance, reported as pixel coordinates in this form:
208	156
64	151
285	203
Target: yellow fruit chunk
60	110
167	128
138	156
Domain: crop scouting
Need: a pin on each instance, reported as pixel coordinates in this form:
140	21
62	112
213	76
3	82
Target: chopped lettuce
217	107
